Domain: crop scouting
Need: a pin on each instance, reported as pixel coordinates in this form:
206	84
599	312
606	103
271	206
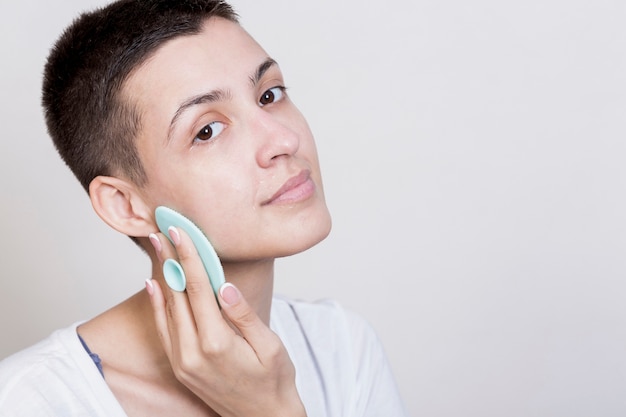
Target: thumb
245	319
238	310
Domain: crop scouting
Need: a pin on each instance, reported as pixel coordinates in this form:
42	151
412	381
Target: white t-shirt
341	369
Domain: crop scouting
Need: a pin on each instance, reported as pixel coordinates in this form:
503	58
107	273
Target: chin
286	243
279	239
309	238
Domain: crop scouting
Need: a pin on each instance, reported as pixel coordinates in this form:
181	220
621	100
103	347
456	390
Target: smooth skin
221	143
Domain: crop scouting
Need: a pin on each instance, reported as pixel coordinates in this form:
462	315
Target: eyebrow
216	95
262	69
210	97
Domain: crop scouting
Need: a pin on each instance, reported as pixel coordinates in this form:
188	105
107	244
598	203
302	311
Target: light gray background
474	162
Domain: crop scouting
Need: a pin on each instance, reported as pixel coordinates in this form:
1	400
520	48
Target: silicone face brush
172	270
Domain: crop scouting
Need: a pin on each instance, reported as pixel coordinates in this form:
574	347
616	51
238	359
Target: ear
121	206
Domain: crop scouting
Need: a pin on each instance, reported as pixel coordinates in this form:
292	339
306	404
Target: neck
131	323
255	280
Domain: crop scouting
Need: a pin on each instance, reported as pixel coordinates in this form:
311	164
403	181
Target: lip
297	188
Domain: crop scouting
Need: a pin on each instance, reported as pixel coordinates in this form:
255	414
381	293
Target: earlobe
121	206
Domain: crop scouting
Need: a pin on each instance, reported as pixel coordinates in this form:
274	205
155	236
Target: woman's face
222	143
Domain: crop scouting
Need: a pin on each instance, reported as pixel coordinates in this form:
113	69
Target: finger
179	317
157	301
200	294
264	341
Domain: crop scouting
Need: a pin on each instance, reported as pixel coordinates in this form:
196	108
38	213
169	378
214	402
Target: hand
244	371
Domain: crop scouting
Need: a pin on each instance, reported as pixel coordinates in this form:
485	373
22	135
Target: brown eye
209	132
267	98
272	95
205	133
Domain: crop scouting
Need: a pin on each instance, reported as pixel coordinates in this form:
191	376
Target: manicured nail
149	286
230	294
156	243
174	235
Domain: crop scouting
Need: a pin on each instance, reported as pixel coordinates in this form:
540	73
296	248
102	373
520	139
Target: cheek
219	203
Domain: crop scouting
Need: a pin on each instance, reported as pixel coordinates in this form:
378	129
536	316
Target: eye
272	95
209	132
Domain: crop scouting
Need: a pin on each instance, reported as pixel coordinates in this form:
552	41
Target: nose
275	137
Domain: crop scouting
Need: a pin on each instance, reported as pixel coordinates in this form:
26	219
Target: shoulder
325	311
33	359
329	333
324	318
340	362
47	378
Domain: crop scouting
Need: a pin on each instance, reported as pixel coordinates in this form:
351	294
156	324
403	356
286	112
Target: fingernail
156	243
149	286
174	235
230	294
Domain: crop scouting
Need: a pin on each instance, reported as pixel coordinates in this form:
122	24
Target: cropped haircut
92	126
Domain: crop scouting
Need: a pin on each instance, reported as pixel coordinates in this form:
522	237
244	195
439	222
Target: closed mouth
296	188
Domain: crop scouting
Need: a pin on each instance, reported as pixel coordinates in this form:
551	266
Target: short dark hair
91	125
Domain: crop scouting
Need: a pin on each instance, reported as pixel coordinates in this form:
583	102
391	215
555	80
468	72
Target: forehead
220	56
